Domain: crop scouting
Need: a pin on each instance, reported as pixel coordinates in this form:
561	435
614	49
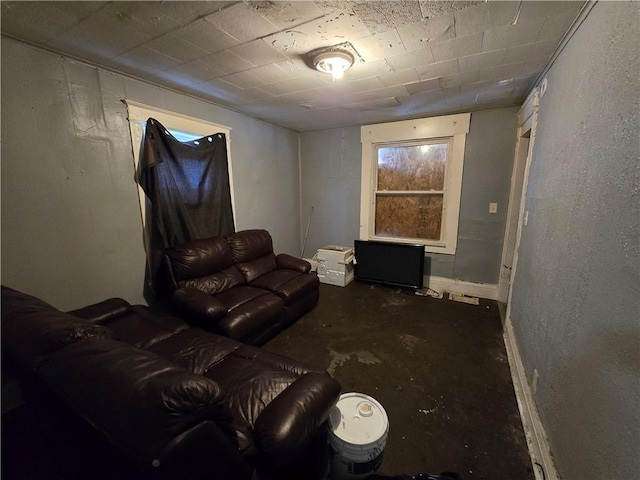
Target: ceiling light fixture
335	62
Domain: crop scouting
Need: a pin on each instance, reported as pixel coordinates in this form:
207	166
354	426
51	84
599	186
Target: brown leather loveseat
173	400
237	287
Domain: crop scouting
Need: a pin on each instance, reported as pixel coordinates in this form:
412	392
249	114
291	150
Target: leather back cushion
256	268
199	258
139	400
32	329
216	283
252	250
250	244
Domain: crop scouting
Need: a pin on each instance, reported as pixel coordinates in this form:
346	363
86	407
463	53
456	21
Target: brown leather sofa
237	287
174	401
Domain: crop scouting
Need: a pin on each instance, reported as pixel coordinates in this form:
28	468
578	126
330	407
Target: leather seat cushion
195	349
238	296
251	320
288	284
144	327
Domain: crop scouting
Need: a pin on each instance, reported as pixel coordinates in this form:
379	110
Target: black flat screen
388	263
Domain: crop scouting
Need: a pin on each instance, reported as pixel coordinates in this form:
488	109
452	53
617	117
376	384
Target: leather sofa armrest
104	311
197	307
289	423
141	402
284	260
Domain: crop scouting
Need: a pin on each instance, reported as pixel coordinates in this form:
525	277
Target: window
411	181
409	192
182	127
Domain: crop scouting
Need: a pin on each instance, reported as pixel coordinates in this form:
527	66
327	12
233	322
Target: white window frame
139	113
452	128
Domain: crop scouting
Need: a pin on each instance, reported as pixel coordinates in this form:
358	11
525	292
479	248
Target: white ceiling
416	58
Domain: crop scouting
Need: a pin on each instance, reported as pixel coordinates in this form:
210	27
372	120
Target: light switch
493	208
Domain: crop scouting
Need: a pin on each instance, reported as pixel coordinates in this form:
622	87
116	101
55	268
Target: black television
389	263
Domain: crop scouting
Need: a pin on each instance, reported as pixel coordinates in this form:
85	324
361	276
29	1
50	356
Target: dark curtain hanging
187	190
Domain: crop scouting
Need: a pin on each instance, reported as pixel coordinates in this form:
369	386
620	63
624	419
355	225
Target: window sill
430	247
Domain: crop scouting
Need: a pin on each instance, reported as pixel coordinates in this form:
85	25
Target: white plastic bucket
358	428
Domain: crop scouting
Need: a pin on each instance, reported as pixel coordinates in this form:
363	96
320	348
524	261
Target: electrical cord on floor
544	477
419	476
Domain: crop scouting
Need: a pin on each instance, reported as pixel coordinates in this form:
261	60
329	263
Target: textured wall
330	179
488	161
71	228
331	162
576	293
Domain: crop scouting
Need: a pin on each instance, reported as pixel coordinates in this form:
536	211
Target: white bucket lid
358	419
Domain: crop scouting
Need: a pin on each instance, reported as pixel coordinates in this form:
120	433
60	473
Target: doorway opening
527	120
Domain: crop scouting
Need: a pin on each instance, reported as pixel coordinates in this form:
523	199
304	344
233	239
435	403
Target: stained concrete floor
437	366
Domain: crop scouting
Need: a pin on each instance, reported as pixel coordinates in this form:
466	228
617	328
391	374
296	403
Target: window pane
416	167
409	216
184	136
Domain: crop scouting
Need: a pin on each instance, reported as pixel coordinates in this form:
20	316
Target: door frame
526	132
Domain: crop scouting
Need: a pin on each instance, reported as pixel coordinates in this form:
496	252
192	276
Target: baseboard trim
481	290
539	451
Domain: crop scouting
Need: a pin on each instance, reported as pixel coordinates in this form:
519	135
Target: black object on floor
420	476
438	367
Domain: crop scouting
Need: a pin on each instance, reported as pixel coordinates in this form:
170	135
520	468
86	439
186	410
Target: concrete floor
437	366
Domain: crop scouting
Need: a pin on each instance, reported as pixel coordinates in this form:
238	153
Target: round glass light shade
335	63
